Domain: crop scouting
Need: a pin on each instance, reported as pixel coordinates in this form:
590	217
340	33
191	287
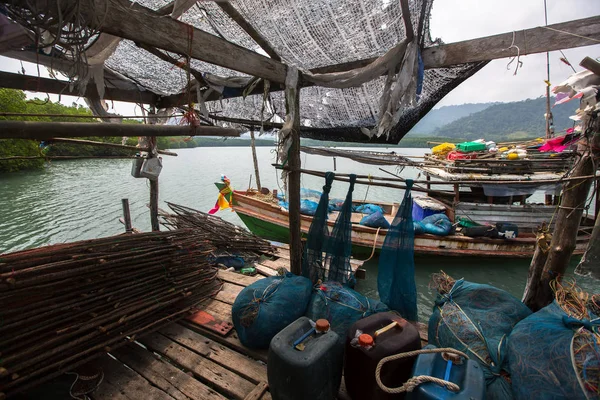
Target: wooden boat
263	216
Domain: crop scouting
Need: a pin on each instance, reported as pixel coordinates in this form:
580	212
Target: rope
572	34
374	246
415	381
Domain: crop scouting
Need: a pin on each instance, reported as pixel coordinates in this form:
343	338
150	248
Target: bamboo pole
450	182
105	144
255	159
127	216
49	130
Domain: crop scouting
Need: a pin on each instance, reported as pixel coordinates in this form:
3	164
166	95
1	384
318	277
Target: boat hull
268	220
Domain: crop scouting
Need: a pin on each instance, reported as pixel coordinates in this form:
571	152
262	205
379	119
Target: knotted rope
415	381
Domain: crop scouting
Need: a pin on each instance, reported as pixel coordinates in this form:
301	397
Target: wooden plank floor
186	361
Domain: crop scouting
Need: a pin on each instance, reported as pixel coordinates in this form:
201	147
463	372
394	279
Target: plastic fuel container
370	340
304	362
467	374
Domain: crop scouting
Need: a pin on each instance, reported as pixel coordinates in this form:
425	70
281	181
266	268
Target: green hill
444	115
510	121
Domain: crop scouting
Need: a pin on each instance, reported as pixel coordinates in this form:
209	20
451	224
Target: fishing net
555	353
341	306
476	319
396	277
312	260
338	246
267	306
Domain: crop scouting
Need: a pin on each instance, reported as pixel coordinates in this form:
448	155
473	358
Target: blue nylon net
267	306
341	306
554	356
313	266
396	277
338	246
477	319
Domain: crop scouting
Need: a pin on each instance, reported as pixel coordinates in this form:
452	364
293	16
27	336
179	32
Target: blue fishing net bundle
327	254
265	307
477	319
554	354
396	274
338	245
341	306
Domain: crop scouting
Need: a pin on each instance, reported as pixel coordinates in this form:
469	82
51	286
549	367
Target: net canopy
308	34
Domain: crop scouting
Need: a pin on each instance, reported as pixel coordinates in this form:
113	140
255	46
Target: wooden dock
185	360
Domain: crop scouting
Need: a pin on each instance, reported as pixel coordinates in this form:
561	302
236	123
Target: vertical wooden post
126	216
154	191
546	266
292	101
428	177
590	262
456	193
255	159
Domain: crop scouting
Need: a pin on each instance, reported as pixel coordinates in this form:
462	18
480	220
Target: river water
81	199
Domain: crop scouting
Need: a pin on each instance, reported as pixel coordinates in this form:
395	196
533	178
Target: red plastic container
457	155
381	335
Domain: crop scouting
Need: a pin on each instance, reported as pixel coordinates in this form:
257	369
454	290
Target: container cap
322	325
365	340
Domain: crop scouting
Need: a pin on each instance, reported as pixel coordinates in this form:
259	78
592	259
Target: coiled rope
415	381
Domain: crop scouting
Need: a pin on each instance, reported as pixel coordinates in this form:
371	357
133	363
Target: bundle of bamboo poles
66	303
225	236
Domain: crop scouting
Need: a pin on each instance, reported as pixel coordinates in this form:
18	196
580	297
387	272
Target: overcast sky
455	20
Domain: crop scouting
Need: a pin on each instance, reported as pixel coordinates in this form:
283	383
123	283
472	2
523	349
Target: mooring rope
415	381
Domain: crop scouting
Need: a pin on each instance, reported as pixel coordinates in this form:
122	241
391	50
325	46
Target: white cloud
467	19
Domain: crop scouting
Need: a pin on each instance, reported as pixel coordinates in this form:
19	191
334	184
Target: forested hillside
444	115
510	121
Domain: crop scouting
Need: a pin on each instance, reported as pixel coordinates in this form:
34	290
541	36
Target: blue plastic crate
424	207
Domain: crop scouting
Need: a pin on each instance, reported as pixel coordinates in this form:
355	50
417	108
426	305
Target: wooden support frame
248	28
570	34
132	21
48	130
55	86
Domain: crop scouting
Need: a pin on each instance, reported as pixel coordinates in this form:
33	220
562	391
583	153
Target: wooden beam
106	144
140	24
55	86
48	130
577	33
591	65
248	28
565	35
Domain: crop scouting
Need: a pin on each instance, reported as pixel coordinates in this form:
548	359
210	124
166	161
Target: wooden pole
552	263
590	262
126	216
255	159
49	130
154	192
292	101
105	144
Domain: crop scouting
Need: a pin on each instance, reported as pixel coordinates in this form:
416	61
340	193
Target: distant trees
15	101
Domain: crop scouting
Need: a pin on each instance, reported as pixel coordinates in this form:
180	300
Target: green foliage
15	101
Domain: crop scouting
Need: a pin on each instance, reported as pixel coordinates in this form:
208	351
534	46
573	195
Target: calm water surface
76	200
